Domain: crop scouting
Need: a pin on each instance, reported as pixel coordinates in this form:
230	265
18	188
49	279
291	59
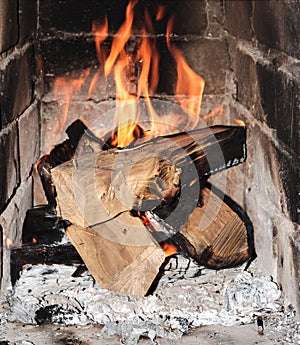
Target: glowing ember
10	245
169	248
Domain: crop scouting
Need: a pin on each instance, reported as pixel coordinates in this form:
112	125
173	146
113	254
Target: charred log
44	254
62	153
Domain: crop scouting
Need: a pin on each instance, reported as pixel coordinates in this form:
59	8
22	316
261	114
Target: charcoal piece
56	314
79	271
42	226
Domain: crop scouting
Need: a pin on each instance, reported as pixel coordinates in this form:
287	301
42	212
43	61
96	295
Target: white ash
186	297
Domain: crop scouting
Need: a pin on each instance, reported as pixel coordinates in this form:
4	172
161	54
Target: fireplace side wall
264	47
19	121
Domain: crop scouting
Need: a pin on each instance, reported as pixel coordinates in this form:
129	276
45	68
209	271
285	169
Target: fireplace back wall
248	54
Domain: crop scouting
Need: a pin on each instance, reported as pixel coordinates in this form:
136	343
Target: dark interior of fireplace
246	51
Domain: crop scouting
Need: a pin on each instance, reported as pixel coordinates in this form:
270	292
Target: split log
217	235
95	188
121	255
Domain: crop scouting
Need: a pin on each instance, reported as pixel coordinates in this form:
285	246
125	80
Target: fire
190	86
239	122
169	248
161	11
135	68
10	245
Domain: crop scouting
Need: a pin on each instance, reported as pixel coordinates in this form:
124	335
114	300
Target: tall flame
122	36
136	75
190	86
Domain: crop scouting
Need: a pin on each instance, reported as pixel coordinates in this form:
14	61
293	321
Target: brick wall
19	120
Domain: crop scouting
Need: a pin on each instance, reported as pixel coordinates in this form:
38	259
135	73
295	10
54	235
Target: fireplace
246	51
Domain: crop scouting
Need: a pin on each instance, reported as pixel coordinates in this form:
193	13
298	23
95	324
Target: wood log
216	235
95	188
121	254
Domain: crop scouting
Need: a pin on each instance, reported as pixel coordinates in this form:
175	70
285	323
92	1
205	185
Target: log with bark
97	193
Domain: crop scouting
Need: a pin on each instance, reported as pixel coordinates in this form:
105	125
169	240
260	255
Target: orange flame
10	245
122	36
100	32
136	75
239	122
161	11
190	86
66	87
169	248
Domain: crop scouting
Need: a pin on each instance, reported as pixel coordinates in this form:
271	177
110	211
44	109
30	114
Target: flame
122	36
161	11
169	248
190	86
135	67
66	87
100	32
239	122
10	245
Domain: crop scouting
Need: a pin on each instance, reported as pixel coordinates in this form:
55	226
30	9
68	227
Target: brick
28	125
238	15
77	15
9	159
216	18
27	19
190	17
64	57
270	89
276	24
280	100
247	83
8	24
289	172
207	57
16	86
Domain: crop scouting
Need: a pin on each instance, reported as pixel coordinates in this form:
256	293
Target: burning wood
97	193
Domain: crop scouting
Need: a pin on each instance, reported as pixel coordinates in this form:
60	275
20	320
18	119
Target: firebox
226	62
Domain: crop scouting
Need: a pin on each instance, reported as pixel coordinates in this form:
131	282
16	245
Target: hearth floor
191	305
21	334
